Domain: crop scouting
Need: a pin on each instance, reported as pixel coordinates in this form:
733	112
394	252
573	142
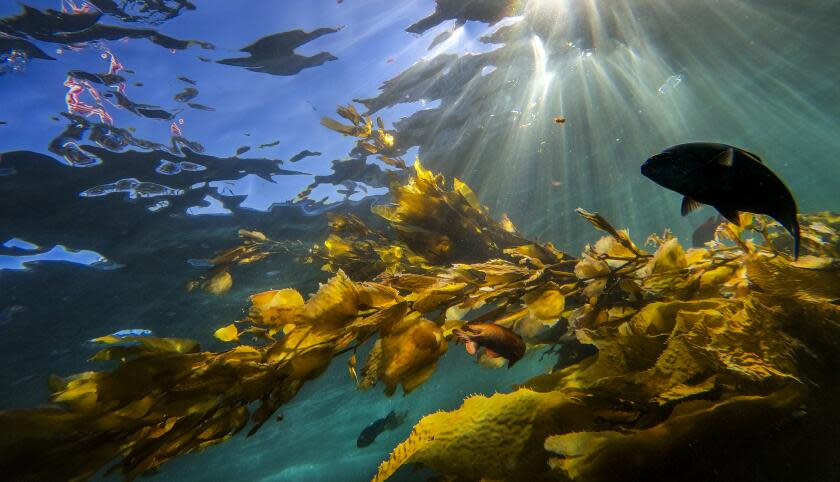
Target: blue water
99	229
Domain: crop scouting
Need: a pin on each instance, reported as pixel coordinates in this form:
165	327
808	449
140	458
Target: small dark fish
705	232
138	84
497	341
242	150
389	422
2	123
187	80
728	179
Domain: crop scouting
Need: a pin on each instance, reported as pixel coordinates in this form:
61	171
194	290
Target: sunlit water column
633	77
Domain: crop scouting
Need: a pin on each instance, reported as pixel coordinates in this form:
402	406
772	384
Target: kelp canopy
693	347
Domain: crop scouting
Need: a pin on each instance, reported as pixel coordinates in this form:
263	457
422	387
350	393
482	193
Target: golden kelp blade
409	354
220	283
820	282
338	126
490	437
350	113
603	456
134	346
253	235
227	333
599	222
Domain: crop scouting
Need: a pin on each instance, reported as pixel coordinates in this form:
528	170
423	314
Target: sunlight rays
601	65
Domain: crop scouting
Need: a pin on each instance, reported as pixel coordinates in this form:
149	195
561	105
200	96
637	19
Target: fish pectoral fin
725	158
689	205
472	347
730	214
491	353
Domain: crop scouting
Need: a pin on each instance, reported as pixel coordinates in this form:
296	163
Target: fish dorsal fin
689	205
753	157
725	158
731	214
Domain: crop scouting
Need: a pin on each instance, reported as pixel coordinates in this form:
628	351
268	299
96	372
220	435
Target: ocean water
137	137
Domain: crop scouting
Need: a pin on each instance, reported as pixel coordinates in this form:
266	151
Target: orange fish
496	340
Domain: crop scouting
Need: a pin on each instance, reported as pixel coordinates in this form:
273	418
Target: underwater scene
419	240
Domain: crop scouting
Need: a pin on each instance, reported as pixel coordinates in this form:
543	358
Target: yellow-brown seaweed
687	341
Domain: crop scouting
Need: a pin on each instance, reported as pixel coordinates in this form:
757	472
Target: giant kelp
689	343
693	347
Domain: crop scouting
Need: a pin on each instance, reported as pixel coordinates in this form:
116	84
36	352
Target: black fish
727	178
369	434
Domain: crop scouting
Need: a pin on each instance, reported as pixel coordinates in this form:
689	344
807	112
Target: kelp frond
686	341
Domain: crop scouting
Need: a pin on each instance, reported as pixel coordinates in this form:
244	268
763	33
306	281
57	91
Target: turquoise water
115	187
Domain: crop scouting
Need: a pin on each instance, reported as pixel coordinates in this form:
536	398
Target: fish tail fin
790	222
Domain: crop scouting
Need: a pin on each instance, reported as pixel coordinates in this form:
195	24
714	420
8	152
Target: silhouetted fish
497	341
727	178
369	434
705	232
